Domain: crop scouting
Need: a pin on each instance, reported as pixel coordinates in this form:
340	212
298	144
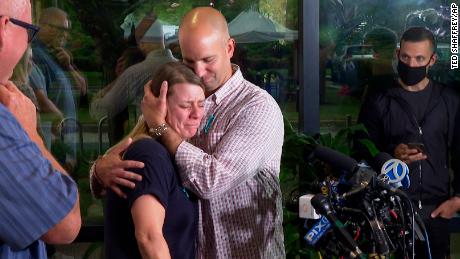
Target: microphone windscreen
380	159
320	204
336	159
397	173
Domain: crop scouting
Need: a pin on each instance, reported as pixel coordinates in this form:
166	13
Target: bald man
38	200
233	162
53	35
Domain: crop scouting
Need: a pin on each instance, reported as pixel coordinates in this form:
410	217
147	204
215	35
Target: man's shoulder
262	98
377	101
254	101
240	94
450	94
256	92
161	55
141	67
448	89
41	55
143	70
134	77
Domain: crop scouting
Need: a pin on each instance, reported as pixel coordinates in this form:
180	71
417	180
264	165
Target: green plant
92	249
293	165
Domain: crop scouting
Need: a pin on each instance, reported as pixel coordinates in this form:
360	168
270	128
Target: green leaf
370	146
91	249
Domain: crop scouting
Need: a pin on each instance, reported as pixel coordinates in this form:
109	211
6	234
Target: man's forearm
41	145
65	231
68	228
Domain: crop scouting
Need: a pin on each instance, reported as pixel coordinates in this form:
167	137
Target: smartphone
419	146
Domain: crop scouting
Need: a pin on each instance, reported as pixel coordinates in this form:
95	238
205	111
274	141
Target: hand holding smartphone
419	146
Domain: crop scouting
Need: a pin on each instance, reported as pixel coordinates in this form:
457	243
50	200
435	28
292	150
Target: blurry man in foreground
38	200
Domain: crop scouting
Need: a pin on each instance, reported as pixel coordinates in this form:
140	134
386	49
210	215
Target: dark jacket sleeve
455	151
370	116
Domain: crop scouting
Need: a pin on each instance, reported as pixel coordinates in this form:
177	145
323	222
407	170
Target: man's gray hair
50	14
13	8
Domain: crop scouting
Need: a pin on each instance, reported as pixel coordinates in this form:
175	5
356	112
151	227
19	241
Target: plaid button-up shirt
233	165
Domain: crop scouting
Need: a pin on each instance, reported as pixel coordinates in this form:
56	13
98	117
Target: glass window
358	43
350	61
84	47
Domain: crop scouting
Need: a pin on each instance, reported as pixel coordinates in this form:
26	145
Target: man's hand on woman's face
110	169
154	108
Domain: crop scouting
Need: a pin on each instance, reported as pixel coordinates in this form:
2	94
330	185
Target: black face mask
411	75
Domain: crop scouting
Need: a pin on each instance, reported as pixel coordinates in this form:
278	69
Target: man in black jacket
417	121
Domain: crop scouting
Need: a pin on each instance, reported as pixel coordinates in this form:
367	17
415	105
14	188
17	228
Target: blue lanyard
208	123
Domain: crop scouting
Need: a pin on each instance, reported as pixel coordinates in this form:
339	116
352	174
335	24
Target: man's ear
3	25
230	47
433	59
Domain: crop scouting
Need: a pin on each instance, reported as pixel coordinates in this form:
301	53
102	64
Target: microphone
380	159
321	205
337	160
377	229
355	174
392	171
396	173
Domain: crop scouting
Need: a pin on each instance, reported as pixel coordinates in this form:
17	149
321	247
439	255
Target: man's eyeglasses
31	29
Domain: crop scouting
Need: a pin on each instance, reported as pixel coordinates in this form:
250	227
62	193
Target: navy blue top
159	178
33	195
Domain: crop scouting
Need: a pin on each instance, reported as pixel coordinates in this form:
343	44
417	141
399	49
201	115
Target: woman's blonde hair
173	73
22	69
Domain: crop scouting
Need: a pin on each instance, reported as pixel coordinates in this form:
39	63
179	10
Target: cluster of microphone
369	213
